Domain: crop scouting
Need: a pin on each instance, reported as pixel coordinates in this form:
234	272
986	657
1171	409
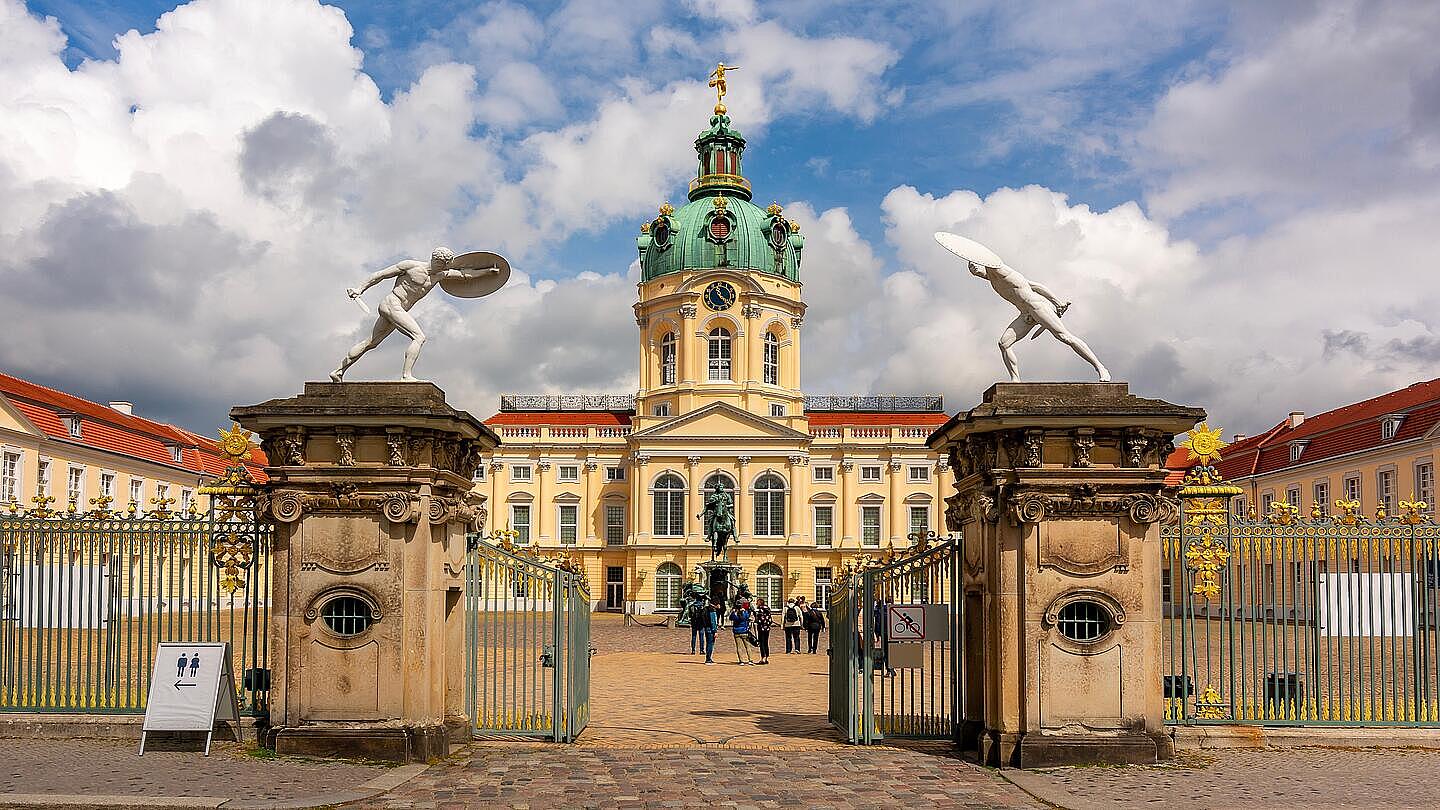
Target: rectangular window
667	360
568	473
520	472
1240	507
919	475
777	410
1266	500
919	520
1321	493
824	526
162	494
772	360
614	525
569	524
107	485
175	453
75	486
1292	496
614	473
1389	427
479	472
1352	488
870	526
660	409
10	478
43	481
869	473
824	474
137	489
72	426
1385	490
719	354
1425	483
187	498
824	582
520	522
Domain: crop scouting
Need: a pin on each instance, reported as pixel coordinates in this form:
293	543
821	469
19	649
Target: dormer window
1389	426
1297	449
175	452
72	426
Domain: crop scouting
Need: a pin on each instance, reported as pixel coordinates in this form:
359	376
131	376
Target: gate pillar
1060	493
370	491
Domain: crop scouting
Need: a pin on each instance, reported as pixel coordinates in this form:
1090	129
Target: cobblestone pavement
112	768
536	776
1276	778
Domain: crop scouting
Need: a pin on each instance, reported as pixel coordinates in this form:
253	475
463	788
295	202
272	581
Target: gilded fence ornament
1414	513
100	507
42	508
1209	705
162	508
1207	559
1283	513
1349	512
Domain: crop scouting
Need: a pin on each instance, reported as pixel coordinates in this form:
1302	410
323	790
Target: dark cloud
1425	349
290	158
1337	341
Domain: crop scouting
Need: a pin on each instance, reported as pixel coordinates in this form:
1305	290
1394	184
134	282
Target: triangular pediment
12	419
719	421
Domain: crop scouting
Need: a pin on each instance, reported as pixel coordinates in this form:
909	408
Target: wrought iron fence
1283	619
86	597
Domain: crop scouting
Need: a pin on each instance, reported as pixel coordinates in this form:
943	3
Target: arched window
667	359
669	506
667	586
769	505
770	584
772	359
726	483
719	353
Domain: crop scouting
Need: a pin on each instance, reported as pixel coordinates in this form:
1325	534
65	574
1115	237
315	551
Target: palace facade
617	481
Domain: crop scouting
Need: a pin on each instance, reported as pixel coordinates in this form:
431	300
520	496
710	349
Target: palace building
617	481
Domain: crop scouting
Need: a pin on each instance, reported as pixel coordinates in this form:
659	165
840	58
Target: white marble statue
1040	310
470	275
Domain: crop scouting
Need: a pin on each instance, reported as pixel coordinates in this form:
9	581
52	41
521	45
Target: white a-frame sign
191	688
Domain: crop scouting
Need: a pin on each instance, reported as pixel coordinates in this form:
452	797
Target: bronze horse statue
721	519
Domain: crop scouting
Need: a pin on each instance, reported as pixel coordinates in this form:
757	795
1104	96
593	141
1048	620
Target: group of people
750	627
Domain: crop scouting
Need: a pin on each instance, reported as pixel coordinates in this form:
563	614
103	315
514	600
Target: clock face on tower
719	296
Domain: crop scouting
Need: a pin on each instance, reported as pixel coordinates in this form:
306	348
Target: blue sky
1202	178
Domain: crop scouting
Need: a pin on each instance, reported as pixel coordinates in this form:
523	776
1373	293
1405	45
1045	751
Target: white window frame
1292	496
12	475
516	524
669	583
177	453
77	492
824	585
108	480
162	492
1389	426
719	355
517	476
766	504
669	351
479	475
671	493
187	497
72	426
573	510
43	478
870	474
919	474
770	585
827	478
918	509
660	409
573	477
1353	487
137	490
771	360
828	525
1267	500
1425	482
879	526
777	410
613	473
1385	480
1320	495
614	530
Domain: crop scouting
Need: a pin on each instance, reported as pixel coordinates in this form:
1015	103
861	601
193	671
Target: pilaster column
744	521
588	508
640	473
942	491
499	492
686	343
695	506
543	507
799	517
844	510
897	503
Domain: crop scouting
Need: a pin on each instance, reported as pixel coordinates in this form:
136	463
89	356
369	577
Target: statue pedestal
371	494
722	578
1060	495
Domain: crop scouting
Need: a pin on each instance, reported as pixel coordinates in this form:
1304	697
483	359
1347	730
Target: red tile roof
1347	429
106	429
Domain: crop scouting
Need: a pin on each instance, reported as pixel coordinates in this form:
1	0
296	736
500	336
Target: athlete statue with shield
469	275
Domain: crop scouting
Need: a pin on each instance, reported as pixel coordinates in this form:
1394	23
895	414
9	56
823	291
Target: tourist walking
764	623
740	626
882	631
814	623
791	621
707	618
697	629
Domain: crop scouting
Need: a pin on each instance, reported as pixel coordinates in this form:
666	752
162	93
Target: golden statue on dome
717	81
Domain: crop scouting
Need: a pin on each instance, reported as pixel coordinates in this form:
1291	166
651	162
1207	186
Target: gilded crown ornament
666	209
774	209
720	202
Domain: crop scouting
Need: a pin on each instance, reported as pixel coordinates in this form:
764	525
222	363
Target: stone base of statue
1060	495
370	491
721	578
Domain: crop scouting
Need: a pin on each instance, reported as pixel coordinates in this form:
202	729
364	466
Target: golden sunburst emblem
1204	444
235	442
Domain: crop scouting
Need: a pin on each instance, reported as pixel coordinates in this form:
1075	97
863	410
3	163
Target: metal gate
528	642
1278	619
882	686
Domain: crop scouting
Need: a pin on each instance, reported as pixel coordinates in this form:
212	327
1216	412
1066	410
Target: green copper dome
720	227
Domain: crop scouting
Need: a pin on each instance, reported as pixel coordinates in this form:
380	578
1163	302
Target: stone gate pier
1060	496
370	491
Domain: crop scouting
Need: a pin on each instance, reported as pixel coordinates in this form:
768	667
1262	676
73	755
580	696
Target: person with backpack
740	627
764	623
704	619
814	623
791	621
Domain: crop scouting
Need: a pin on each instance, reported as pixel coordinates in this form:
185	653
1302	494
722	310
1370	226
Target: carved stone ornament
1144	508
742	460
1084	442
544	465
294	446
396	507
591	465
395	448
1034	445
847	466
419	448
285	506
1135	444
345	447
693	461
689	311
799	461
796	322
1116	610
440	510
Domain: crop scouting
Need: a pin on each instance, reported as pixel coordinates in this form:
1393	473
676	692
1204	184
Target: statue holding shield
469	275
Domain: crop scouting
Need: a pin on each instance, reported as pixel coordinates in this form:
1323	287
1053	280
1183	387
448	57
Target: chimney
1240	437
1297	418
127	408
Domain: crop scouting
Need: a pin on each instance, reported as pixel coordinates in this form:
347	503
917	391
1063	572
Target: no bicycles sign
917	623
